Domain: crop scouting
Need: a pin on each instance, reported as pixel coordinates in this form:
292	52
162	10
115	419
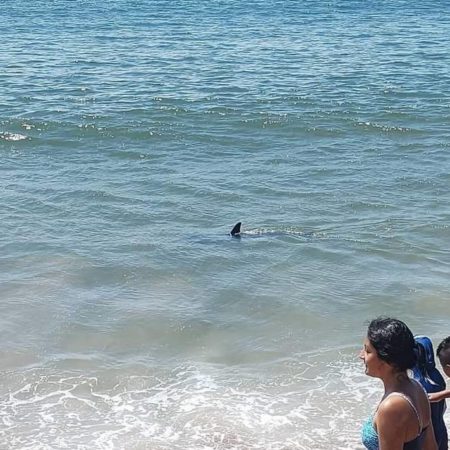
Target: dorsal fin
236	231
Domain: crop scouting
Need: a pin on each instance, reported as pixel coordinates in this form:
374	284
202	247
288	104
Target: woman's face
371	359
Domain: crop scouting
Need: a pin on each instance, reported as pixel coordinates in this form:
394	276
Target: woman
402	420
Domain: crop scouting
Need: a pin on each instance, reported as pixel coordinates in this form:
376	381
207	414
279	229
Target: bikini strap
405	397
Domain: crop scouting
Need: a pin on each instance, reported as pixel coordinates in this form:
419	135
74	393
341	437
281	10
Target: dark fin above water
236	231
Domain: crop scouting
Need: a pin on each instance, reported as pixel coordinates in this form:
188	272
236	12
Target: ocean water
134	135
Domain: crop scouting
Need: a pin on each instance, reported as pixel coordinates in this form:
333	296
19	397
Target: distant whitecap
12	136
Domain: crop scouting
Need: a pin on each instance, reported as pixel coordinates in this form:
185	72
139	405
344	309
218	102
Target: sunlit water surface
134	135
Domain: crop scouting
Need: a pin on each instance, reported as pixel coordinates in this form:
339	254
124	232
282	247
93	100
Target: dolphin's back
236	231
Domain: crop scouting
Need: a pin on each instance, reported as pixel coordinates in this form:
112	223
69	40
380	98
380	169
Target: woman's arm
391	421
430	441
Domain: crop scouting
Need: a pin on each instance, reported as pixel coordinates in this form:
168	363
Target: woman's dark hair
393	341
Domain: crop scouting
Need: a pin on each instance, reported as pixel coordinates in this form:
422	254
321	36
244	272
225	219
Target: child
430	378
443	353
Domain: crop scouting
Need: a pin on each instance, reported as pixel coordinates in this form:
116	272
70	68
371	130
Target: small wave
384	128
267	121
13	136
289	231
130	155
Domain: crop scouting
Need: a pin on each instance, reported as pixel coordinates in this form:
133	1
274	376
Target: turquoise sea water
134	135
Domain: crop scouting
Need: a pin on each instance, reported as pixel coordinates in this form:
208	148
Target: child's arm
438	396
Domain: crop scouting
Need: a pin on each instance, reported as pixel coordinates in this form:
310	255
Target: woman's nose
361	354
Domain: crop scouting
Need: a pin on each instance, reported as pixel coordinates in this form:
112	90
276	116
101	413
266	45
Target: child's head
443	353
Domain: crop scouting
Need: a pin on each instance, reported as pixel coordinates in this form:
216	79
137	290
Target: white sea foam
12	136
188	408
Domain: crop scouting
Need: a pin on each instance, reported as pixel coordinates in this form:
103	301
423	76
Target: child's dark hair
443	347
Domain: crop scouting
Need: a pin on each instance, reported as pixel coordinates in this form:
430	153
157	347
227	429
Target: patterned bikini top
370	436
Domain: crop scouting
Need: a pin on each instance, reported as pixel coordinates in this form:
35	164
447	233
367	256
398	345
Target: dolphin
236	232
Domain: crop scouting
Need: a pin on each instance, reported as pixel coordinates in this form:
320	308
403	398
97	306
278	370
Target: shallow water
134	135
